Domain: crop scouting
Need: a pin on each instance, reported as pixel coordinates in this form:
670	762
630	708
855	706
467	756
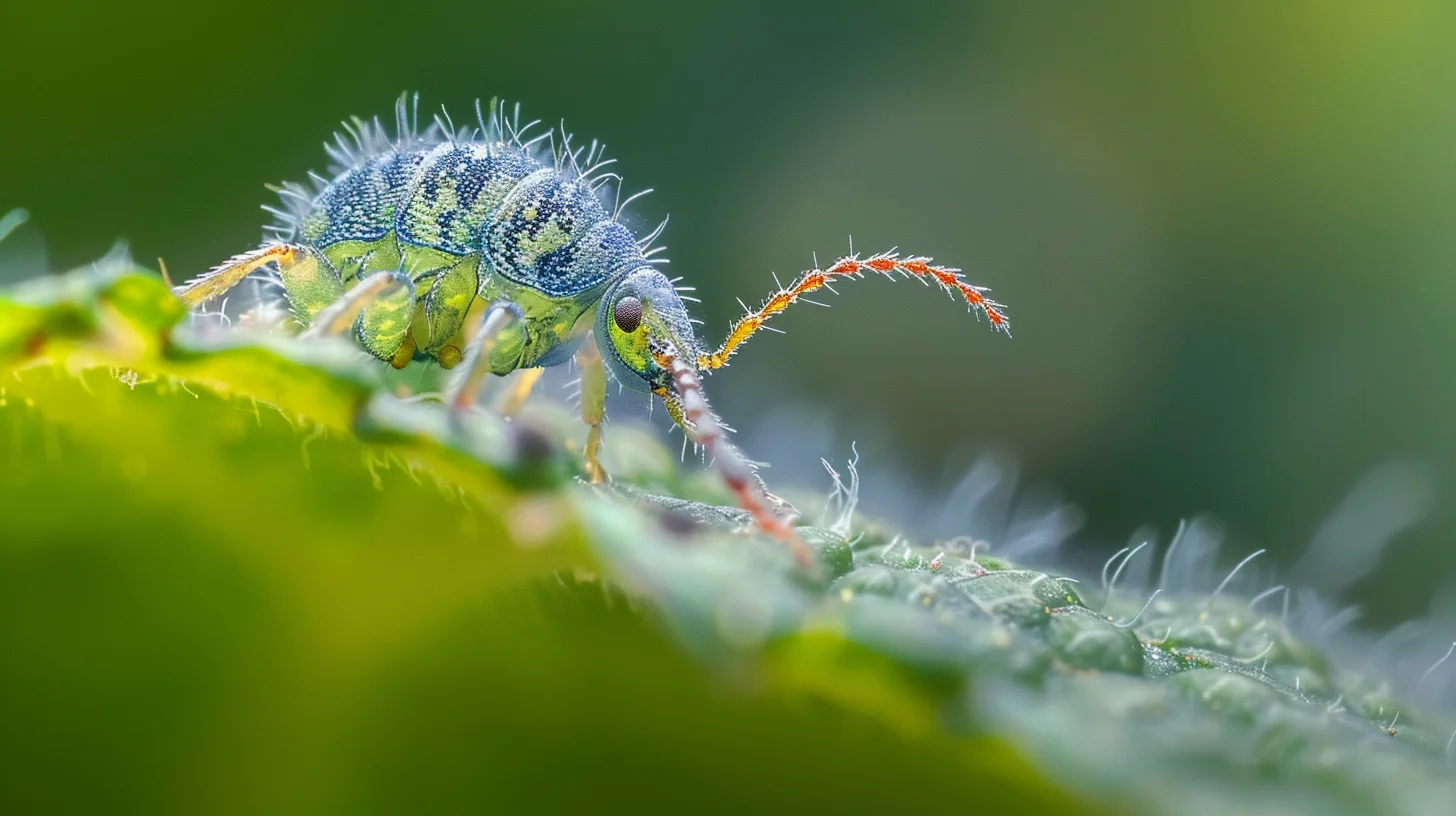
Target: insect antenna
888	264
689	408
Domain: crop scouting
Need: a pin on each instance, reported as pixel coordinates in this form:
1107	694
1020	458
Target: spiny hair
360	141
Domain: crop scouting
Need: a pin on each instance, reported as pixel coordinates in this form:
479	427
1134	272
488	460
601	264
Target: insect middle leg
525	381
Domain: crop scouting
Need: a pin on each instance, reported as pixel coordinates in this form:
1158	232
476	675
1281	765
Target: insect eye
628	314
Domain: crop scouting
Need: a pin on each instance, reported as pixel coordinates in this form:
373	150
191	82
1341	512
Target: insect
488	250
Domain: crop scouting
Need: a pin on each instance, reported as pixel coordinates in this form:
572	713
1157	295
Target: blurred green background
1224	231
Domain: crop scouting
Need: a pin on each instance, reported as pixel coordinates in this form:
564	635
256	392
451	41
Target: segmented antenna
852	266
701	425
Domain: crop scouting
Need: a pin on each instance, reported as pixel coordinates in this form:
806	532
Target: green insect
489	251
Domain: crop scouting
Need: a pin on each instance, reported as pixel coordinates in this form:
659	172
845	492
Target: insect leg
520	390
479	356
447	301
377	310
593	404
231	272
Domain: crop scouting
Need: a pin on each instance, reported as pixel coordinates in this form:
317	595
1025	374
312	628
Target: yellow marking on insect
404	354
552	237
450	356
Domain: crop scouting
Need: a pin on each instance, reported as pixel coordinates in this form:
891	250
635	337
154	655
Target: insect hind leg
310	282
231	272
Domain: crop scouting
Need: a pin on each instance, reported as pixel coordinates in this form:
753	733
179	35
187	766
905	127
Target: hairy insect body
473	248
466	225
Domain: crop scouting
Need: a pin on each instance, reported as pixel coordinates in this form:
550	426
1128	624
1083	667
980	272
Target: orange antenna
851	266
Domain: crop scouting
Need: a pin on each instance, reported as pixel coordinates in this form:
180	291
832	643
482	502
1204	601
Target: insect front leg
593	405
480	354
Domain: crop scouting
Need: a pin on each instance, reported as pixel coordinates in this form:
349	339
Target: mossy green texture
242	575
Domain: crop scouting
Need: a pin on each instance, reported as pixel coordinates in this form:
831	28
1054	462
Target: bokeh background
1226	232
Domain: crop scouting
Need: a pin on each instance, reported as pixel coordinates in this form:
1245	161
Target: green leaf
239	573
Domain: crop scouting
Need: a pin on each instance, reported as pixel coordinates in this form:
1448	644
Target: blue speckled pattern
534	225
456	190
361	204
534	239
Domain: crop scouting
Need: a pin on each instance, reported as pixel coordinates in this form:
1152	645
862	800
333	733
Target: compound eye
628	314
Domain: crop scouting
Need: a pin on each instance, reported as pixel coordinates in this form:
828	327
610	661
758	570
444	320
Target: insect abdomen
455	191
534	225
552	234
361	204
